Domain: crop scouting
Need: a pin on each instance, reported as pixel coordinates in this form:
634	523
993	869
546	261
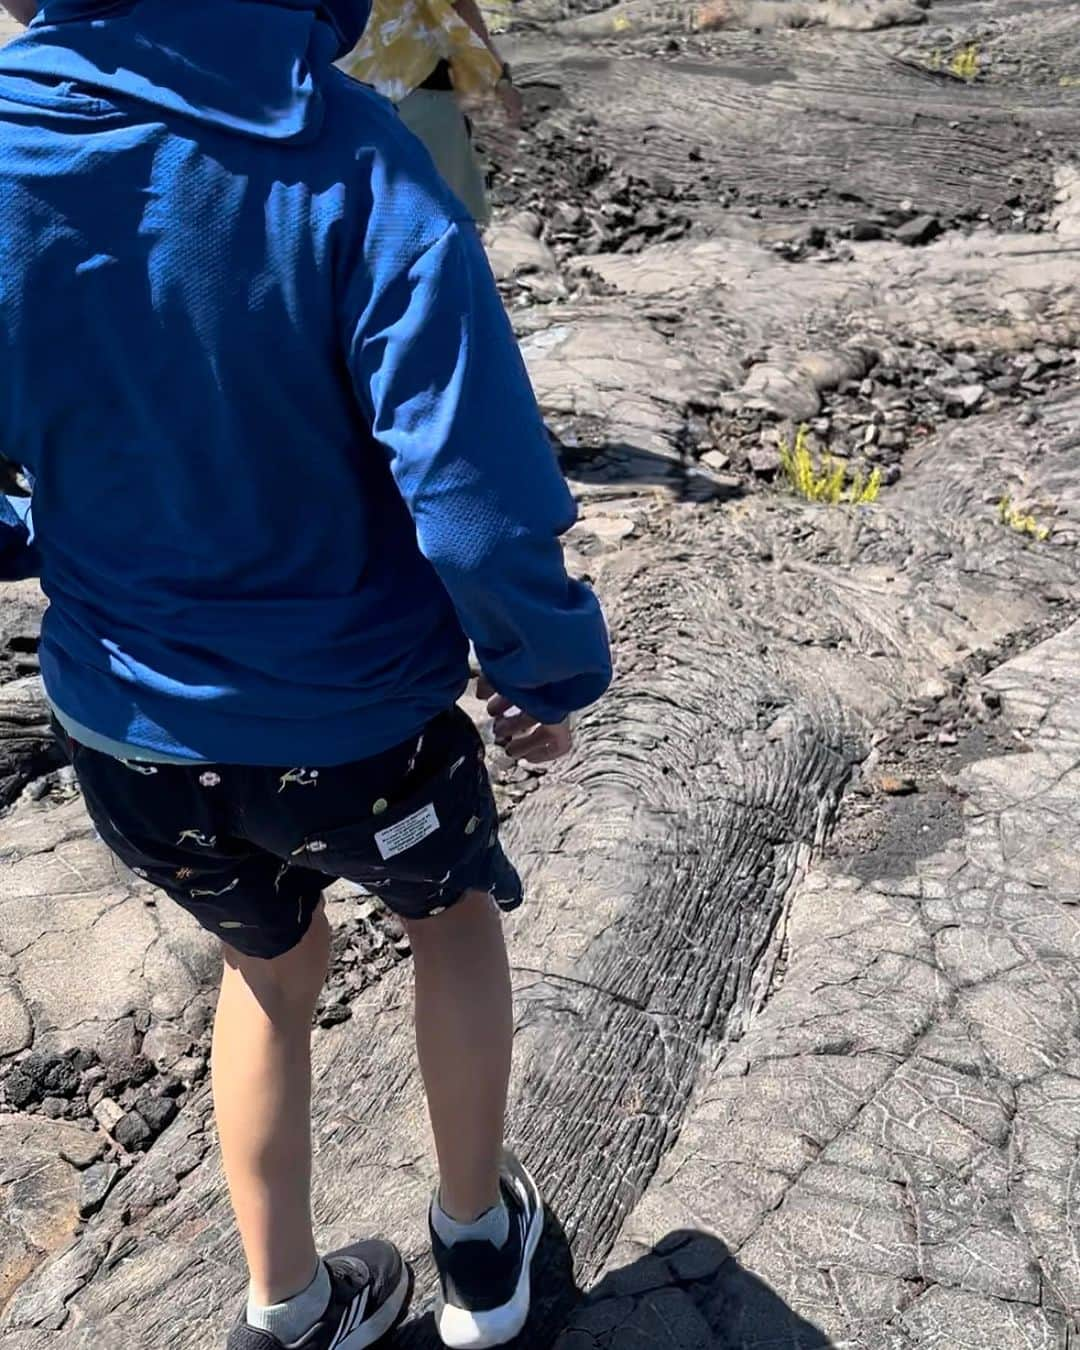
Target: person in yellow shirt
435	58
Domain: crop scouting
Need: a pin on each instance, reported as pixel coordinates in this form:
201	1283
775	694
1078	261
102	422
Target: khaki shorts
434	116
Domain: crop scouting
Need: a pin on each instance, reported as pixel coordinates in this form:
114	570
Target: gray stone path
888	1154
661	861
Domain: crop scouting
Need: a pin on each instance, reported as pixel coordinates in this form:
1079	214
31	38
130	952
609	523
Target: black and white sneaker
370	1287
486	1289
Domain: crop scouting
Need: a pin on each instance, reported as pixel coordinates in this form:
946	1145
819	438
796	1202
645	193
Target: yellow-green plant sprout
1021	521
965	64
830	482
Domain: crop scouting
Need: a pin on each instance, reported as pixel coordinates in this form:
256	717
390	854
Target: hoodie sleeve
18	552
437	367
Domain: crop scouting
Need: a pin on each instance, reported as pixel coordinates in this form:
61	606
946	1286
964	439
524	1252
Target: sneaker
486	1289
369	1294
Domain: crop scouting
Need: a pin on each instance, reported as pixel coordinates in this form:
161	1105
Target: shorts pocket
419	839
155	825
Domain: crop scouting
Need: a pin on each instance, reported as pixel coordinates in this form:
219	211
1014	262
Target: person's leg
464	1030
237	888
487	1217
262	1099
435	117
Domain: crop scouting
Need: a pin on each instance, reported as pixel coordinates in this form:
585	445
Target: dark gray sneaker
486	1290
370	1287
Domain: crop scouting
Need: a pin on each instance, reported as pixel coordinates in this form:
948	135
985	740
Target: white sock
492	1226
289	1321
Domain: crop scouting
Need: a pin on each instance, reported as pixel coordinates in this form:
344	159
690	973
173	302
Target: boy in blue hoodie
286	463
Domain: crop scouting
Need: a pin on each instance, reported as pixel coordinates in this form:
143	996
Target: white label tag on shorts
408	832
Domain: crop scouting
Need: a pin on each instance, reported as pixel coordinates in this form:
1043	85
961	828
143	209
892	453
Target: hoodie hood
252	67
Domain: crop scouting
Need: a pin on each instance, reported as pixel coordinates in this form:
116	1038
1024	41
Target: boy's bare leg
464	1030
262	1099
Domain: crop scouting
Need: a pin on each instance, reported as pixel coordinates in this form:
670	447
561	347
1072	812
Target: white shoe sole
380	1324
462	1329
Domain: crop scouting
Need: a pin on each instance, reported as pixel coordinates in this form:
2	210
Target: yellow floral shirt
406	39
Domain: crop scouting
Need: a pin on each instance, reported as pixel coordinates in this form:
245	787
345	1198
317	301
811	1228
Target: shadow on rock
621	463
688	1293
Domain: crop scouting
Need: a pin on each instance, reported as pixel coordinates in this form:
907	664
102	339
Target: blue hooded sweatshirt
284	450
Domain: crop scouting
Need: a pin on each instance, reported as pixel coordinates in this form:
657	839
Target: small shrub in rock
832	482
1023	522
965	64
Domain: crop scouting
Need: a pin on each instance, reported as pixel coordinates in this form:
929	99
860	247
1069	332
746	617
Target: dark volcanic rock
764	460
40	1076
126	1073
119	1042
964	398
920	230
862	230
97	1182
20	1090
133	1133
158	1112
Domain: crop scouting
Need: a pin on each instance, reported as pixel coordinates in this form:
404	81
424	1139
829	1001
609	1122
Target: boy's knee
297	975
474	908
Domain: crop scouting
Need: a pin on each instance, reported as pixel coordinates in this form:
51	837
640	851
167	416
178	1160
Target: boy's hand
521	735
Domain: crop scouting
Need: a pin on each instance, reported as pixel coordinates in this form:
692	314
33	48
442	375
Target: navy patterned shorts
248	851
